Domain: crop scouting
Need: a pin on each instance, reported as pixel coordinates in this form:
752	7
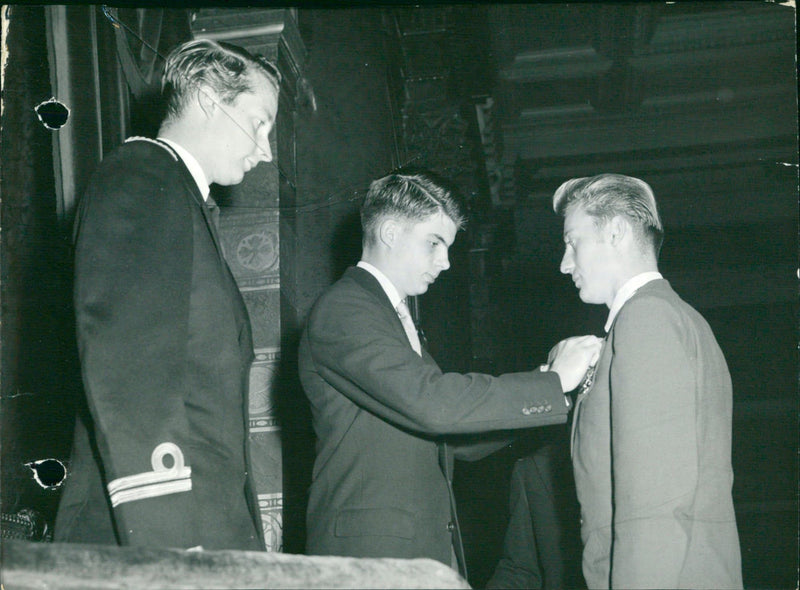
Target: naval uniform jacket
379	409
652	452
165	349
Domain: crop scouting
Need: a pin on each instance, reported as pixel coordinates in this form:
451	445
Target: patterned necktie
408	324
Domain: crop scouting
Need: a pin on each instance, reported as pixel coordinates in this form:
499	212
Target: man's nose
444	261
263	150
566	263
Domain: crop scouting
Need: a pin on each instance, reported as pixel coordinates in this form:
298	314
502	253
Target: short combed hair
222	67
607	195
409	197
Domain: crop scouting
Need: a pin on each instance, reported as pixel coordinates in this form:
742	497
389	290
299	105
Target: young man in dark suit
381	407
651	439
164	337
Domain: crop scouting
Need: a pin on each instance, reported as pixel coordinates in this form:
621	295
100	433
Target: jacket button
451	526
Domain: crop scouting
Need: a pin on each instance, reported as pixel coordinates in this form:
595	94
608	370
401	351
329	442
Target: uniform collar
192	164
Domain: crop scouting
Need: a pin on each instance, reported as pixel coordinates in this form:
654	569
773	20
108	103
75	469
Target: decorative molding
262	386
259	30
654	63
556	63
680	77
562	110
271	506
263	305
737	163
657	126
270	32
721	29
439	138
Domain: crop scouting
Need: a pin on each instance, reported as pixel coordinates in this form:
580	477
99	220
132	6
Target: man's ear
208	100
388	231
616	229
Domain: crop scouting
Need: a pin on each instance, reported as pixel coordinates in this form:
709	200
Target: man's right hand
572	357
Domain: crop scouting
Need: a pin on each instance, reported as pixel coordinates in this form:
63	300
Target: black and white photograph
363	294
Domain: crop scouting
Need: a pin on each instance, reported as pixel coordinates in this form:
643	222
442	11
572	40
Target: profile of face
239	132
588	257
419	253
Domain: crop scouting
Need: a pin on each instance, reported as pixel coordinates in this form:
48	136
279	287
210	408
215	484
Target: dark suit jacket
542	545
165	349
378	410
652	452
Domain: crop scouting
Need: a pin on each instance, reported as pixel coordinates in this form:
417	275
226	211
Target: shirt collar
192	164
626	292
388	287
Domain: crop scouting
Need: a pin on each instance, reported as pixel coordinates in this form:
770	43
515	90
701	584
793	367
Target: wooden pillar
249	227
436	132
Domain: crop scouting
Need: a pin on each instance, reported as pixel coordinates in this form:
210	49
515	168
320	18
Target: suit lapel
210	214
209	208
602	367
369	283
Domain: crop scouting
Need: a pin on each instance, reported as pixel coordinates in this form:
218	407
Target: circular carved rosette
258	252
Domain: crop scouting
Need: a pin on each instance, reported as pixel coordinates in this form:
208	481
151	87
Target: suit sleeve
654	460
132	282
359	348
475	448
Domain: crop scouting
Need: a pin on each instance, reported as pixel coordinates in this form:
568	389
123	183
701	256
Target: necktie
408	324
213	212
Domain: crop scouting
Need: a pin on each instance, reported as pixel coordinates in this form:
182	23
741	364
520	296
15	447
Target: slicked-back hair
226	69
607	195
408	197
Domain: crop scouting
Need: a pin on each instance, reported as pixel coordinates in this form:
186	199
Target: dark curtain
39	365
144	37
